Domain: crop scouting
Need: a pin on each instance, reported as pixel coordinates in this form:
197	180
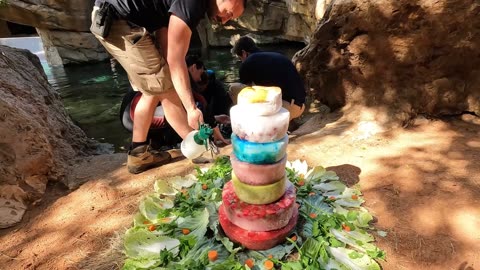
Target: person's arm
178	40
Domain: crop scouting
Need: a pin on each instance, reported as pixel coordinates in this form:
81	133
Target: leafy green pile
177	226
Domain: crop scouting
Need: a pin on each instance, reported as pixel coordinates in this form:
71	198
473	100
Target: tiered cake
258	209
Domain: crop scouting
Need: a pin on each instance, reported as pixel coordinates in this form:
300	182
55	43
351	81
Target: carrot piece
185	231
204	187
212	255
313	215
268	264
166	219
294	238
354	197
311	194
346	227
332	198
152	228
249	262
301	183
146	222
270	256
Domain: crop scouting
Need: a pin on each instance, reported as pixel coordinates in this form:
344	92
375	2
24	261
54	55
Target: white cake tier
266	128
260	100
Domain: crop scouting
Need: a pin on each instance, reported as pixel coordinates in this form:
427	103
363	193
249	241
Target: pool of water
92	93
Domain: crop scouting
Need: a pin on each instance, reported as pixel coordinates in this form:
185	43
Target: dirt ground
421	183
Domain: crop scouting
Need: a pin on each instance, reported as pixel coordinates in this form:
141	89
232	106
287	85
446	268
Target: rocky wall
64	24
401	58
38	140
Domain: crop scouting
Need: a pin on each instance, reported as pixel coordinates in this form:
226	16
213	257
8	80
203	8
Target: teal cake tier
259	153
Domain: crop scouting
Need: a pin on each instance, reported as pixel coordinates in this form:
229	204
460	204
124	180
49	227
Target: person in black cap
269	69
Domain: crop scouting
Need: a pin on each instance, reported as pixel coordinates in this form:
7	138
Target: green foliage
178	225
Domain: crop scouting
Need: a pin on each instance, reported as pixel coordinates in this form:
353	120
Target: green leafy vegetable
140	243
177	226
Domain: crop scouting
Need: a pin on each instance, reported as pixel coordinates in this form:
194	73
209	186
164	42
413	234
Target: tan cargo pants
135	50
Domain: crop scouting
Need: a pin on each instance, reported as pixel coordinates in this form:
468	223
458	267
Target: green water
92	93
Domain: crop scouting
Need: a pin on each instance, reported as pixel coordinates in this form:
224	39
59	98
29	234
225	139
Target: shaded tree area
400	58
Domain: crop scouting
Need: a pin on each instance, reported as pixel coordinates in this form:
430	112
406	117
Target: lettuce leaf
197	224
315	175
178	182
142	243
352	259
164	188
151	207
333	186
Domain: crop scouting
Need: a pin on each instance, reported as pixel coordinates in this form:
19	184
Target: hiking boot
143	158
202	160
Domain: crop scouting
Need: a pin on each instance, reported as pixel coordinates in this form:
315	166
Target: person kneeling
268	69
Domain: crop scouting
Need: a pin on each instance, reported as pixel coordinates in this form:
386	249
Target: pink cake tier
258	174
253	217
256	240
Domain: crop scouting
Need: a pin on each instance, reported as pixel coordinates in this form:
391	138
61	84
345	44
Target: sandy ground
422	184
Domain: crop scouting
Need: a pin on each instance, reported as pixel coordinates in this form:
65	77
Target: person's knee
148	100
170	97
294	110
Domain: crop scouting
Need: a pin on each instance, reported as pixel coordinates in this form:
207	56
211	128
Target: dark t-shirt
273	69
217	100
154	14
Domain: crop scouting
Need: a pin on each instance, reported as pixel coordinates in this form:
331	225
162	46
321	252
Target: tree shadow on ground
75	229
401	59
428	193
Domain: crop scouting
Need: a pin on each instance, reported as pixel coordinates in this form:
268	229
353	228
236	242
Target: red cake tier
258	217
256	240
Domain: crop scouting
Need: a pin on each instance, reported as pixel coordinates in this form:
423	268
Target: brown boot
143	158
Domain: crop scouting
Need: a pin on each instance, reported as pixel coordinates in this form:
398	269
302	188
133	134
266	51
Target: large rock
57	14
38	140
275	21
4	31
399	58
64	25
63	48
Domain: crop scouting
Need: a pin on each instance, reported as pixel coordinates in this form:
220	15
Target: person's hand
222	118
217	136
194	117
